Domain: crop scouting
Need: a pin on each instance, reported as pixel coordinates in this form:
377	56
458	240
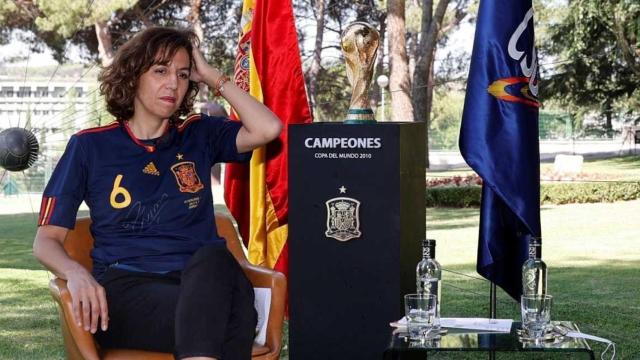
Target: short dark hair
155	45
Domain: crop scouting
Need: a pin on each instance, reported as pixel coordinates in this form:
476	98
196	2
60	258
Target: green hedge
469	196
453	196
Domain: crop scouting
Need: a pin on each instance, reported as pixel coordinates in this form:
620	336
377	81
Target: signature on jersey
140	217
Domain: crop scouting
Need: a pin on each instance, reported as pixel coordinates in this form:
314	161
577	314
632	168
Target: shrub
462	196
563	193
589	192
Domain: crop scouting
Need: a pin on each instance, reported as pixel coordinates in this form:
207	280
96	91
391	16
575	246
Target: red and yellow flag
268	66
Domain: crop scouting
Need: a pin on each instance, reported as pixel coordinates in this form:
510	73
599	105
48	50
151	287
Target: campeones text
343	143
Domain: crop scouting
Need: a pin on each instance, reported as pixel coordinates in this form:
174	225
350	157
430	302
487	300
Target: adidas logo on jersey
151	169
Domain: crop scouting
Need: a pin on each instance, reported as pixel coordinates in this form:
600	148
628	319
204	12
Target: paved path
445	160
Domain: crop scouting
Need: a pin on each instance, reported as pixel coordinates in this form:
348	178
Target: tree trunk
422	94
105	46
194	19
412	47
608	112
196	23
314	69
628	52
375	89
399	81
143	15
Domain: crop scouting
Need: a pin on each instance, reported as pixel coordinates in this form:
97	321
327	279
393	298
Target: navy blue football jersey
150	201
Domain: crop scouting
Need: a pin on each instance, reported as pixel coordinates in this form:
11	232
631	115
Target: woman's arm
259	124
86	294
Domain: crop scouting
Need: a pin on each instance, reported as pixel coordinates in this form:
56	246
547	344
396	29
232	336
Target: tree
54	22
313	71
444	127
399	80
329	17
624	16
335	92
101	26
16	15
598	67
434	27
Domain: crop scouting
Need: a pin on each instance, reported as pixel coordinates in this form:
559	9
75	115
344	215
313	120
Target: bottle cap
429	242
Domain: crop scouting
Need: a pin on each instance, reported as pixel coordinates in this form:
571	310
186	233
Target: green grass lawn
28	318
592	250
619	168
593	255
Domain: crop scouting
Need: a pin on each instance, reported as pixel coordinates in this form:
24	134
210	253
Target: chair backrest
227	231
79	241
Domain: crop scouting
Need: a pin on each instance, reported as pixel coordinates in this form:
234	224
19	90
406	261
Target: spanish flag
268	66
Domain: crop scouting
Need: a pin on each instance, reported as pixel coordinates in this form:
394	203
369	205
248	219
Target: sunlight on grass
29	326
625	167
575	234
593	255
592	250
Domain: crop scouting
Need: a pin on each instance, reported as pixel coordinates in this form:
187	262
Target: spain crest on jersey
186	176
343	218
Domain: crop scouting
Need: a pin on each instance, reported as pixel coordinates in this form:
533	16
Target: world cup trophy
359	46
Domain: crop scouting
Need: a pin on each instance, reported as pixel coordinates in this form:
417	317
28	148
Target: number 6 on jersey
119	190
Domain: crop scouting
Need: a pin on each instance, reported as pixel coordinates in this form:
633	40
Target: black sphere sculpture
18	149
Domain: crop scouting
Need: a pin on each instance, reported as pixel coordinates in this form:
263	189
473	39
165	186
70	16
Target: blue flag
499	138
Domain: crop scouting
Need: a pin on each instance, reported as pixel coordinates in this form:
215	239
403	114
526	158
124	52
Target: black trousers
205	310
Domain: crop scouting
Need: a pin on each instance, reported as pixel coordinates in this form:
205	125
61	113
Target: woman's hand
202	71
259	124
89	300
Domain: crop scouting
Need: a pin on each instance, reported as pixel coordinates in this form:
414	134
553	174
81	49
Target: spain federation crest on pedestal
186	176
343	218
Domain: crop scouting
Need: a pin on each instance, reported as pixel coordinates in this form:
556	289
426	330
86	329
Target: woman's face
162	88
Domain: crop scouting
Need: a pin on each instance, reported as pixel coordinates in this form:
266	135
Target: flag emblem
186	176
242	67
343	218
151	169
513	89
522	89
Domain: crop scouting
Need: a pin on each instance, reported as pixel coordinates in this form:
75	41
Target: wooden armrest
266	278
84	343
260	276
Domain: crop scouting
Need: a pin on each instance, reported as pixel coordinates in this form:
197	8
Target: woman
162	280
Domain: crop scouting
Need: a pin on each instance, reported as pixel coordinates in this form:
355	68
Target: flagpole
492	311
492	301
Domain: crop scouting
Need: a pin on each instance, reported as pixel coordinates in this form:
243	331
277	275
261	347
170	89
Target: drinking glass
536	314
420	310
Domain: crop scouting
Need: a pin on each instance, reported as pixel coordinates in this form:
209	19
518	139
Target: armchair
80	345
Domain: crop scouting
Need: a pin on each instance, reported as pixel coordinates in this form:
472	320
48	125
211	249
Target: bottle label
530	280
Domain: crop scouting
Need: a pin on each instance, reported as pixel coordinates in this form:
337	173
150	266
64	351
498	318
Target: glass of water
536	314
420	310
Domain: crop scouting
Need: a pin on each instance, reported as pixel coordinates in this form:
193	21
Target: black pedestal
356	217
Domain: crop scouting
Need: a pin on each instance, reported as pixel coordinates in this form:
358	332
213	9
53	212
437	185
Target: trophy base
359	121
360	116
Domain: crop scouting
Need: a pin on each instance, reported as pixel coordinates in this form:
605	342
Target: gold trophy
359	46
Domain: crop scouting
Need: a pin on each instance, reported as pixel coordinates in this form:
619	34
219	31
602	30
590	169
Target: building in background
54	102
